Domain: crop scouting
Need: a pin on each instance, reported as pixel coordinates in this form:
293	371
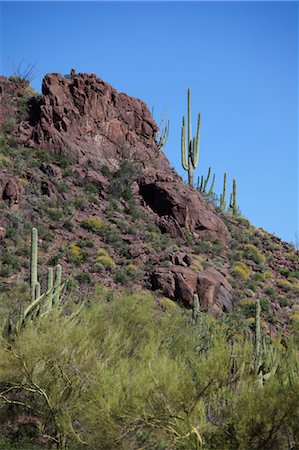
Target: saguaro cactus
203	183
233	206
223	195
258	333
33	262
195	308
190	151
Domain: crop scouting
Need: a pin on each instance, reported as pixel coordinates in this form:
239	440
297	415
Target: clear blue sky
240	60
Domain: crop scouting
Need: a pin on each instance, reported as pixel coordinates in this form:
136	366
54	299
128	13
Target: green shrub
103	260
253	253
126	372
93	224
240	270
83	278
265	304
54	213
76	254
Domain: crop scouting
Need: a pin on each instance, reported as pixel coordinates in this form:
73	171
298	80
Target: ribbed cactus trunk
223	196
33	262
235	206
195	308
258	334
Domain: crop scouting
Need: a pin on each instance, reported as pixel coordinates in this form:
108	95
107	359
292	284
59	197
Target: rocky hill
81	163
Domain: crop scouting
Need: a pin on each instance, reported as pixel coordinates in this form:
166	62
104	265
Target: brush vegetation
131	374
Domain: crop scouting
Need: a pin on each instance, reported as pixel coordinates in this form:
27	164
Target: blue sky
240	60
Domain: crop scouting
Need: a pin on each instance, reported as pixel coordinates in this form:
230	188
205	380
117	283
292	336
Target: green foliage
126	375
93	224
240	270
122	179
83	278
251	252
103	260
76	254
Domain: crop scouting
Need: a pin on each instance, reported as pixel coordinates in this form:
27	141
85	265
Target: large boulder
87	118
179	208
181	283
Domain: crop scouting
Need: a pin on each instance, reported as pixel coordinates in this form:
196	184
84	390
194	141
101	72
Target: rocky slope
81	163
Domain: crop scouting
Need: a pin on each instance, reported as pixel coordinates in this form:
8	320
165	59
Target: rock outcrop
88	119
180	283
179	208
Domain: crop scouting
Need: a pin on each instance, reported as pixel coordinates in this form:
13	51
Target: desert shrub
240	270
271	291
122	179
248	308
68	225
79	202
285	285
283	301
258	277
76	255
253	253
103	260
265	304
54	213
93	224
85	243
284	271
83	278
106	171
126	372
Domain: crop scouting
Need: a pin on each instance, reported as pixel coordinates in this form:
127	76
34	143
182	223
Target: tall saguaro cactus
223	195
190	150
33	262
235	206
258	333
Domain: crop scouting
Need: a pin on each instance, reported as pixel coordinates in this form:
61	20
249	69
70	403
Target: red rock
180	283
11	192
181	207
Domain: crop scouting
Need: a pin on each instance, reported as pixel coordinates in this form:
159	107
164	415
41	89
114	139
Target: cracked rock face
89	120
180	283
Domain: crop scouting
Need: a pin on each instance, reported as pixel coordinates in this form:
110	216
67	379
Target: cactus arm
37	290
189	118
195	149
212	185
57	284
183	146
207	180
50	279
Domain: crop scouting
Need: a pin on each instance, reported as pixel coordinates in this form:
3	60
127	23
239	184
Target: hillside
124	355
80	162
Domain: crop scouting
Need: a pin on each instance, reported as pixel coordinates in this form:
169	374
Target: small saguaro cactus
223	195
190	151
195	308
203	183
258	333
41	302
233	206
33	262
